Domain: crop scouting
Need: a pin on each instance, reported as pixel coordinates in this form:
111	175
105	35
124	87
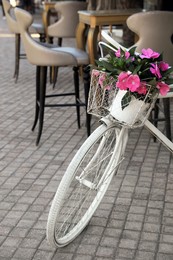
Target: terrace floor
135	219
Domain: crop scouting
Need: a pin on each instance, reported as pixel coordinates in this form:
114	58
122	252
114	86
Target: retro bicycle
90	172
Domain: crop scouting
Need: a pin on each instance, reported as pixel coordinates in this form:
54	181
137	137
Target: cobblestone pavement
135	219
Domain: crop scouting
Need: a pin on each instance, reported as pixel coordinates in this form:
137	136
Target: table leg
92	43
81	36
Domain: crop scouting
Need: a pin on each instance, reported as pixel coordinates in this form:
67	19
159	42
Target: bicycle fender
106	121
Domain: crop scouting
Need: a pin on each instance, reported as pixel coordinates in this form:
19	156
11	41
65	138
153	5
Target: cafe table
90	23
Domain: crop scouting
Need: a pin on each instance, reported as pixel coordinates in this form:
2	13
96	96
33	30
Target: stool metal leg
86	77
43	78
17	56
37	99
166	105
77	97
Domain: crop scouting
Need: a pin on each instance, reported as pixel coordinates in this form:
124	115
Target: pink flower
101	79
142	88
127	54
163	88
129	81
163	66
155	70
96	73
108	87
149	53
118	53
133	82
122	80
123	75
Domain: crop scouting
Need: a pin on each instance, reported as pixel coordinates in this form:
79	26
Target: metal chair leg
77	97
166	118
37	99
86	77
166	105
43	78
17	56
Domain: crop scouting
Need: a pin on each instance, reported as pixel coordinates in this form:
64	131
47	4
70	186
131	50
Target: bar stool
65	27
13	27
154	29
43	55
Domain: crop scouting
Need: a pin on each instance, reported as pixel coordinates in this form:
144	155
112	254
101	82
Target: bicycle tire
99	147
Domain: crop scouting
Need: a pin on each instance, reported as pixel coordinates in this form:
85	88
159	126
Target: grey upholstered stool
13	27
65	27
44	55
155	31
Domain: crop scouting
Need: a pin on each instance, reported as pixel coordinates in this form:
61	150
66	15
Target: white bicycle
90	172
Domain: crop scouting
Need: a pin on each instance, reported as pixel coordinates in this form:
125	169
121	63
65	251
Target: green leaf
169	81
132	50
99	63
137	69
107	65
125	100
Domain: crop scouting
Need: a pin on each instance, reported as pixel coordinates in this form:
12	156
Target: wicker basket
102	93
105	99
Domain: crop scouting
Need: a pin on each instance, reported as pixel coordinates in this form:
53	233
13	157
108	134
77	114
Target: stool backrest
11	21
38	53
68	20
155	29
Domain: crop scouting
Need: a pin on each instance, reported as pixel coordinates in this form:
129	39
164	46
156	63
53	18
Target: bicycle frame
158	134
152	129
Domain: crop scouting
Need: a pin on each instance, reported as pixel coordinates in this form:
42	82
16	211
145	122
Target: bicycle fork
113	165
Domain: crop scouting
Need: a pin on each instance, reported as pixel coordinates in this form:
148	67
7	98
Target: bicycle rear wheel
83	185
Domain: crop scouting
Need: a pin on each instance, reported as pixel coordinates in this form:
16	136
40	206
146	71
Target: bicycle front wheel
83	185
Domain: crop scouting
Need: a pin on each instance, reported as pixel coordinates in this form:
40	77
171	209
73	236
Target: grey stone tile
105	252
143	255
125	253
25	253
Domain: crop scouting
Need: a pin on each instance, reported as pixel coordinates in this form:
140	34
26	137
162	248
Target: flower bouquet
126	84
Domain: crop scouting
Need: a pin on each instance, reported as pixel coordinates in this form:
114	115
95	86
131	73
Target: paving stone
83	257
87	249
66	256
7	252
105	252
148	246
152	227
148	236
129	234
19	232
43	255
25	253
128	243
5	230
12	242
124	253
91	240
30	243
142	255
166	248
131	225
164	257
